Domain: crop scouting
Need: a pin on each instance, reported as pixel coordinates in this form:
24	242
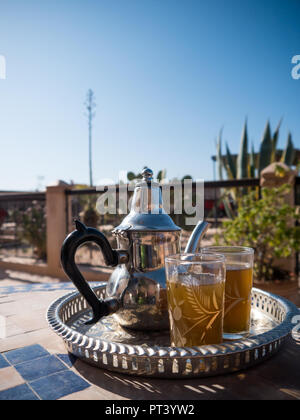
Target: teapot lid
147	212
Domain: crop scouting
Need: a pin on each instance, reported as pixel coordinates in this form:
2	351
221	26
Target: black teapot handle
81	235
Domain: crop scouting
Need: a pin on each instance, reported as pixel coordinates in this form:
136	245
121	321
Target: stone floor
34	363
18	278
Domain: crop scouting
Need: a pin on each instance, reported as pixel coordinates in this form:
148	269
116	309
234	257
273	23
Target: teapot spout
196	236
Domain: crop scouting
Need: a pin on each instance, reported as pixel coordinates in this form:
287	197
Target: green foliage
31	228
275	141
186	177
252	163
242	161
219	156
289	153
231	166
267	225
249	165
161	175
90	215
131	176
266	147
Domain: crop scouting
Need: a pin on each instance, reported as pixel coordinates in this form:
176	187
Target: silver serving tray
108	346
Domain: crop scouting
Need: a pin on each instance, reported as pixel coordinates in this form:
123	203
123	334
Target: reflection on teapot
136	290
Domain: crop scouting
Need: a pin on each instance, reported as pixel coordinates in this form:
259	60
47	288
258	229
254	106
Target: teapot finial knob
147	175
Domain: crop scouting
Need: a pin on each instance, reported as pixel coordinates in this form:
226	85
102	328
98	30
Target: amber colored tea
239	281
196	312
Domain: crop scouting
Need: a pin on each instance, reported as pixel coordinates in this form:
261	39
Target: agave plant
289	153
266	148
250	164
243	157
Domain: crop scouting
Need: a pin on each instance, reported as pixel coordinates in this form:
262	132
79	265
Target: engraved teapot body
136	291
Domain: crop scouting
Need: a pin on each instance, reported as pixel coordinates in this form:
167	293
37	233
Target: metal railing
15	244
213	214
208	185
297	191
10	241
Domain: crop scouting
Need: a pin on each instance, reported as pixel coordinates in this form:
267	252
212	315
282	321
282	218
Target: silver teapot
136	291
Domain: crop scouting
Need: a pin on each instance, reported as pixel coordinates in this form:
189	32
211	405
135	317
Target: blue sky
167	75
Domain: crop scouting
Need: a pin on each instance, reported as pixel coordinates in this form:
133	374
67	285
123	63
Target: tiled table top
38	375
34	364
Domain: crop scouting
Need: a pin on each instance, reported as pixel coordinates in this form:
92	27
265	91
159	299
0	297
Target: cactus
219	155
289	153
252	163
265	153
242	161
249	165
275	141
231	164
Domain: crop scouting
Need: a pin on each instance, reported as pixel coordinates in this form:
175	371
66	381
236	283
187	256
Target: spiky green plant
275	141
231	164
243	157
249	165
265	152
252	163
219	155
289	153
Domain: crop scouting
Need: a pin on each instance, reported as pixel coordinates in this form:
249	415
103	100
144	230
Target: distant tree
162	175
186	177
131	176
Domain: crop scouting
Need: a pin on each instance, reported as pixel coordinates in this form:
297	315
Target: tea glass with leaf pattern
239	282
196	291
